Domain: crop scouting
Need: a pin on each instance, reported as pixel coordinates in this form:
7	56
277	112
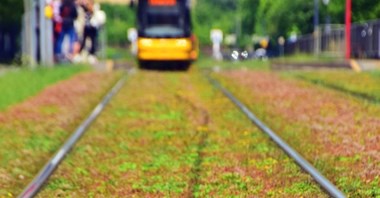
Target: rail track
326	185
33	188
41	178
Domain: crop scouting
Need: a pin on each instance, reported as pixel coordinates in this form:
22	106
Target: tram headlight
146	42
182	43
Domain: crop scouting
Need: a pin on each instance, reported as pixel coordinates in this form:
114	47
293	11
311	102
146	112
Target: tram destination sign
162	2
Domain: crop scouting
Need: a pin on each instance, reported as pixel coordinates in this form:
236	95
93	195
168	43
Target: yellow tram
165	32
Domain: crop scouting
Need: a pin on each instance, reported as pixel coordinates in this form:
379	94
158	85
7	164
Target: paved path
367	65
4	69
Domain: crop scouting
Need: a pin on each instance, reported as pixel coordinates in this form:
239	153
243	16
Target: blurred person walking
57	24
79	25
95	18
68	13
90	31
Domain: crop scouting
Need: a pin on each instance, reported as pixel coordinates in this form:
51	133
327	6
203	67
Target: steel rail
34	187
330	188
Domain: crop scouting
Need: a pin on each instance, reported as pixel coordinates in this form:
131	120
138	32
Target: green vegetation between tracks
176	137
32	132
179	137
18	85
363	85
337	134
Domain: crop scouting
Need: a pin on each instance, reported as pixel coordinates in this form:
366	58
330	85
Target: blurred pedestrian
95	18
89	30
68	13
57	24
80	21
79	24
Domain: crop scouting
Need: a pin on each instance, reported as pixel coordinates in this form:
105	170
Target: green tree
223	14
279	17
213	14
11	11
249	10
362	10
119	19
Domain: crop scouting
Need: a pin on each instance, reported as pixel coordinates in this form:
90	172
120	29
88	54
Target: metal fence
18	40
330	41
366	40
9	42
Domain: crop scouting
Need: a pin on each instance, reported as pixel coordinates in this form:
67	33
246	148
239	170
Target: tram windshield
164	22
164	25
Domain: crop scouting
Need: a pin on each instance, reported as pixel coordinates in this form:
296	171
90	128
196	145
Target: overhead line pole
316	27
316	14
29	43
238	22
42	32
46	35
348	28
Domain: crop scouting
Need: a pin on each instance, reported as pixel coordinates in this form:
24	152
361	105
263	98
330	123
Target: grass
205	62
300	112
176	137
18	85
308	58
31	133
375	73
209	63
364	85
119	53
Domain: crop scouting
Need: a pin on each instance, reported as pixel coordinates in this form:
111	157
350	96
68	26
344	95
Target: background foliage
119	19
261	17
11	11
276	17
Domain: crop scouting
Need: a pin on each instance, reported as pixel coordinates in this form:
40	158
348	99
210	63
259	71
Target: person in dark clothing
90	31
68	14
57	24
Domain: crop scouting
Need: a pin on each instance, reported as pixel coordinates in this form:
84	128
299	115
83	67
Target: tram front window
164	25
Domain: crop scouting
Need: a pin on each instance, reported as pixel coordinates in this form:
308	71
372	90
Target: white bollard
132	37
216	36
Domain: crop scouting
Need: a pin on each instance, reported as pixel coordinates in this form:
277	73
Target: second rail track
326	185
